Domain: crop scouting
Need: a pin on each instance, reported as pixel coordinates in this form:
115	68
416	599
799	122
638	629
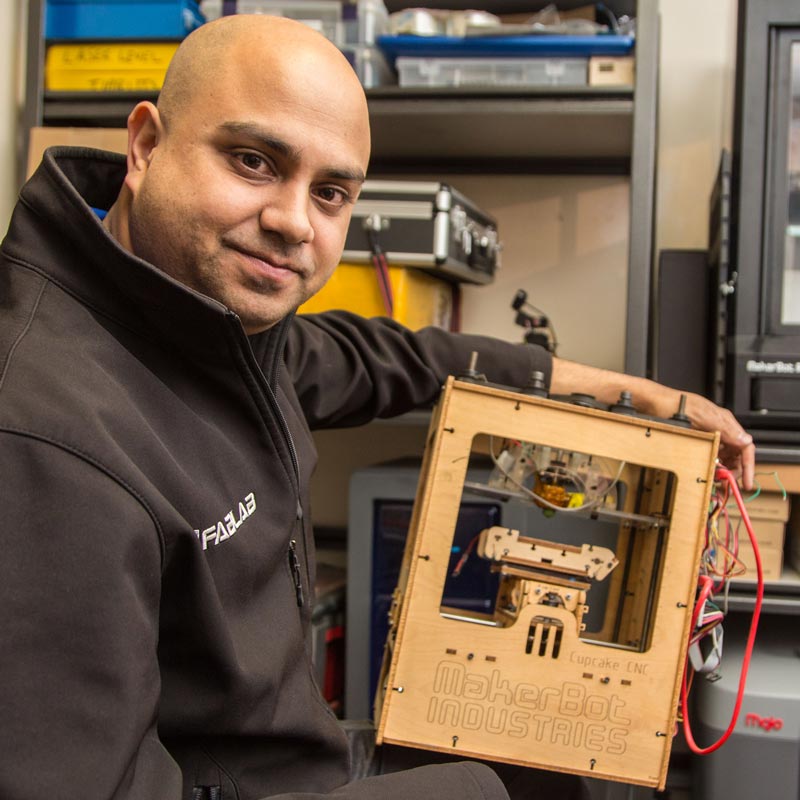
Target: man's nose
286	214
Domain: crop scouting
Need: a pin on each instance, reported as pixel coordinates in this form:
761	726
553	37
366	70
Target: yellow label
108	67
131	55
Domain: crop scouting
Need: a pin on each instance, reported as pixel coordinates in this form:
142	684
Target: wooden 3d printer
547	677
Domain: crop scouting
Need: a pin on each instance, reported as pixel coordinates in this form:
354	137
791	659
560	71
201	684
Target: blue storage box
121	19
524	46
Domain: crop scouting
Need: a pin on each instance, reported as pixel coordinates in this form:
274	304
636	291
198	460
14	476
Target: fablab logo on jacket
227	526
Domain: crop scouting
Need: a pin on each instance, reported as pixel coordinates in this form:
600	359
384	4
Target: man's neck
116	221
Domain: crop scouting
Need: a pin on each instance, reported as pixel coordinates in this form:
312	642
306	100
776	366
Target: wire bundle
720	563
721	553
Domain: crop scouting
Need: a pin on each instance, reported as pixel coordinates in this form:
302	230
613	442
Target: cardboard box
793	534
770	536
767	506
768	514
113	139
611	70
419	298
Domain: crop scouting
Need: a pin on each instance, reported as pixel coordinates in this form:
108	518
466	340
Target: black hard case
425	224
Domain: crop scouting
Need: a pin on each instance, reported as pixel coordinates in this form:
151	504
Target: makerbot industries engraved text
567	714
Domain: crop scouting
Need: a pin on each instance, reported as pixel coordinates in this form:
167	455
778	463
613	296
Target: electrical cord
706	584
609	15
381	271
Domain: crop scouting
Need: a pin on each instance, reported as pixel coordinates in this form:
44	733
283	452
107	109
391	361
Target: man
156	394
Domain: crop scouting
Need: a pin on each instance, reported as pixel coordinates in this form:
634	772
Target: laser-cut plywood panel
528	684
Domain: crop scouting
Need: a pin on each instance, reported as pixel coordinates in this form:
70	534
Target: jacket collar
55	231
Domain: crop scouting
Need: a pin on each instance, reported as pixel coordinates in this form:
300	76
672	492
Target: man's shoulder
58	357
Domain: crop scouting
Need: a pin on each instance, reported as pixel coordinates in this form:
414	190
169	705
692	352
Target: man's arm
348	370
737	450
377	368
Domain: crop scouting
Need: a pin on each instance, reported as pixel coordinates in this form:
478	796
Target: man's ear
145	131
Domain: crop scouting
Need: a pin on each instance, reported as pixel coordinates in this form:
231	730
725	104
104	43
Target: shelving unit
543	131
547	131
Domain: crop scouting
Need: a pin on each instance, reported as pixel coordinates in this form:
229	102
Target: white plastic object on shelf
492	71
364	21
324	16
370	65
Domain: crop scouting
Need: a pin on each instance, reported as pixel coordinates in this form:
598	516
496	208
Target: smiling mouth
268	263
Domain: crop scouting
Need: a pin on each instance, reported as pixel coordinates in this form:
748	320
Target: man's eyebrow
355	175
254	131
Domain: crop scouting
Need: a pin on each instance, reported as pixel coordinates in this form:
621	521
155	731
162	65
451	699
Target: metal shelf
542	131
780	597
90	109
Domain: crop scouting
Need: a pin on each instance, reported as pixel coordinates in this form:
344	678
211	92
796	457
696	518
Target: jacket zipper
294	562
294	566
207	793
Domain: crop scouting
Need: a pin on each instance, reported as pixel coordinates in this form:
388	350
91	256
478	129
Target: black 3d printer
754	255
755	235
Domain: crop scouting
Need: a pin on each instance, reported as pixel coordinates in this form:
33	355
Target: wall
566	243
698	61
12	36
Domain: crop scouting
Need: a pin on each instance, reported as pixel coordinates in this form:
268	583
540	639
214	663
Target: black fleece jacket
157	561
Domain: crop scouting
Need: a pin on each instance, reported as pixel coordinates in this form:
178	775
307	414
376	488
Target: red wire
705	590
455	317
384	283
465	555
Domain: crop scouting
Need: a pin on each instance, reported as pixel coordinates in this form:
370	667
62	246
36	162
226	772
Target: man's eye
332	195
252	161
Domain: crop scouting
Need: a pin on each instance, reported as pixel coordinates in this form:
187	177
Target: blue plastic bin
532	46
121	19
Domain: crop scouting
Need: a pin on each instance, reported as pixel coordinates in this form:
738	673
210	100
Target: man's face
247	197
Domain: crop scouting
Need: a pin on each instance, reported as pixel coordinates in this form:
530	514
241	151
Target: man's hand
736	451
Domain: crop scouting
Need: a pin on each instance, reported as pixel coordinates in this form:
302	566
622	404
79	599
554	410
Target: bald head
245	52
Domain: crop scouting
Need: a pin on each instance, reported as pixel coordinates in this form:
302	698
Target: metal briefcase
424	224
